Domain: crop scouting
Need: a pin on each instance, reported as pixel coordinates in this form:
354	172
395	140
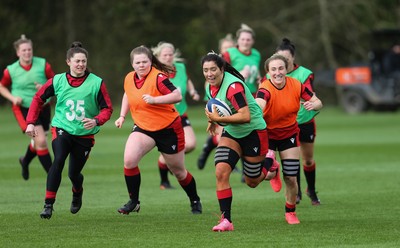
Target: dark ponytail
286	44
76	47
222	64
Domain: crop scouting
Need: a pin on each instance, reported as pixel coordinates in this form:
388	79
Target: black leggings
78	149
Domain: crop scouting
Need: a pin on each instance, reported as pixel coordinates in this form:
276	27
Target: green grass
358	170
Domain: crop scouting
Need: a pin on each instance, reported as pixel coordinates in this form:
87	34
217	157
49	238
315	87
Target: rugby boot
196	207
223	225
131	206
291	218
25	169
314	198
76	203
166	185
47	211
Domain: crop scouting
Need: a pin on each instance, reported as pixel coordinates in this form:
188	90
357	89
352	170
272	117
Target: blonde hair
245	28
161	45
21	40
227	38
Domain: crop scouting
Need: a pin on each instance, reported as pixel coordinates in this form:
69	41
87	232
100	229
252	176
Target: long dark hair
222	64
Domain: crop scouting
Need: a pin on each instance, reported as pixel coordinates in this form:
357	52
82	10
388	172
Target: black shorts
170	140
284	144
185	120
44	118
252	145
307	132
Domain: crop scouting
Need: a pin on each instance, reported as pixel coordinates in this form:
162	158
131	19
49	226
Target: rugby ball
222	108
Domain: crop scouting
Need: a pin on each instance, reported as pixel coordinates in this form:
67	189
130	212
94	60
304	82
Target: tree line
327	34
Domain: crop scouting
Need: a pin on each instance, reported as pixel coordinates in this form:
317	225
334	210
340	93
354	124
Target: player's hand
212	116
37	85
195	96
246	72
89	123
309	105
119	122
31	130
148	99
17	100
212	128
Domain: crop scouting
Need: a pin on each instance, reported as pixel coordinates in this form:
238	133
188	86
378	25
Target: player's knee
190	146
180	175
73	176
290	181
251	182
224	154
308	162
222	174
129	162
40	142
252	170
290	167
58	162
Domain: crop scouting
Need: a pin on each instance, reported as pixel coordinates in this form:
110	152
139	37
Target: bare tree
325	34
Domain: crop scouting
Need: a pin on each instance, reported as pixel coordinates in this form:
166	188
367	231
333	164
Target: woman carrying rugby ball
243	136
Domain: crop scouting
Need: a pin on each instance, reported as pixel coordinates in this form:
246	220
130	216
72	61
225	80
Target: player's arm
262	97
123	112
312	101
192	90
170	93
105	105
15	100
239	102
5	92
309	82
49	71
38	100
237	97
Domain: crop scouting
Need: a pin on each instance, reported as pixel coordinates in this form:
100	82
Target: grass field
358	170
